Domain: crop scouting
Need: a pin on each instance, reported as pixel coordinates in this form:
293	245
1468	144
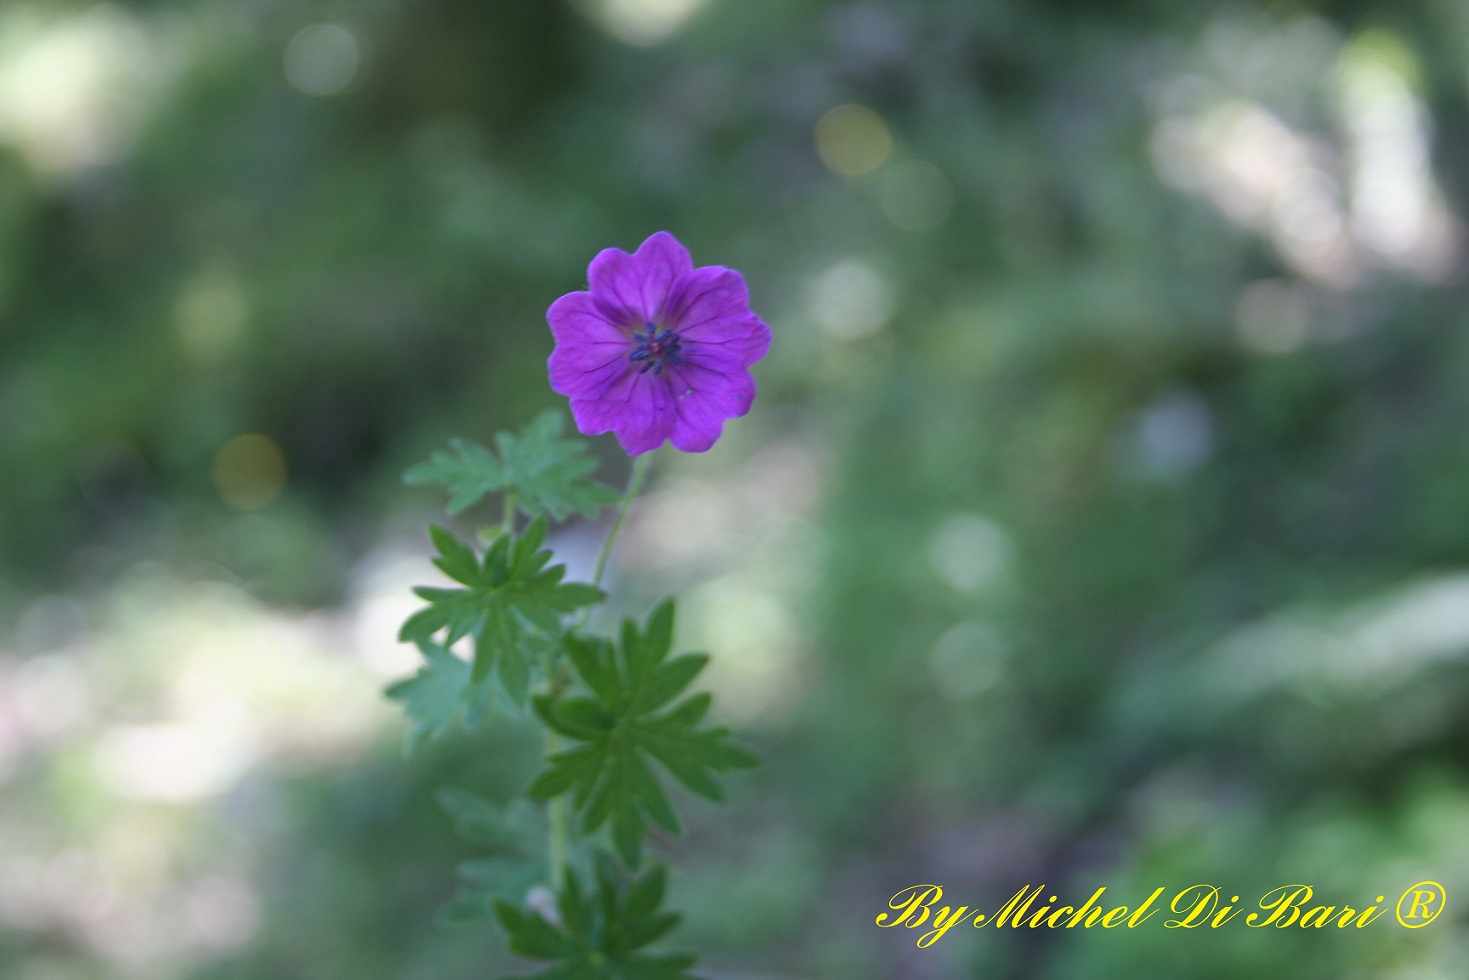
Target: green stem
634	484
509	522
556	807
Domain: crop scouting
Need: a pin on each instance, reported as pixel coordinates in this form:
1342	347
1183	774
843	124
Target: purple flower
656	349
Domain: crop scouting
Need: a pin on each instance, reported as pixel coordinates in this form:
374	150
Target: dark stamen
655	347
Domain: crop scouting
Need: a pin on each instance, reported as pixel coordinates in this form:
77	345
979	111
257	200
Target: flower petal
637	408
703	399
632	289
737	353
711	307
591	353
576	318
586	372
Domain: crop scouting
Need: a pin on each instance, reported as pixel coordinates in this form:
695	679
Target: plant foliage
543	472
600	936
626	720
511	604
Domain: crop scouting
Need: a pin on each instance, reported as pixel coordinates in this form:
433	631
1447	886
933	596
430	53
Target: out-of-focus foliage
540	470
1101	519
599	937
516	864
440	693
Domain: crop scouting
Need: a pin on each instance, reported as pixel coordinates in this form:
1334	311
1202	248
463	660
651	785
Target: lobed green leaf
601	935
440	692
627	720
546	473
511	604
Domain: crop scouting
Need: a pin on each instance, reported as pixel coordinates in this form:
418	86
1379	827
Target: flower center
655	348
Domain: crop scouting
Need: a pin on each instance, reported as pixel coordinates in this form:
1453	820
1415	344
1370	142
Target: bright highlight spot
73	92
321	59
1171	437
755	674
850	300
1374	647
852	140
249	472
210	316
644	22
159	701
969	552
967	660
1333	204
1397	210
1273	316
172	761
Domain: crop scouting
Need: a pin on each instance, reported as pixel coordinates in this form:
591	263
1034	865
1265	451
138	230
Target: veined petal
711	306
637	408
632	290
591	353
576	319
747	341
703	399
586	372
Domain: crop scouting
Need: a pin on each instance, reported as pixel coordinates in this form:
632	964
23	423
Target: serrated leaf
439	693
549	472
628	721
546	473
511	604
601	935
468	470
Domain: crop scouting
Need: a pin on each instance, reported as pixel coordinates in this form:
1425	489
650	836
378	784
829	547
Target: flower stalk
635	479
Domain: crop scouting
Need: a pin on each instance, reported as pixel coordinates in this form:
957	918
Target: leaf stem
556	805
509	522
556	810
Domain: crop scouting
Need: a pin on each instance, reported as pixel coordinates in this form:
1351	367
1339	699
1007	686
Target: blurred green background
1103	518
